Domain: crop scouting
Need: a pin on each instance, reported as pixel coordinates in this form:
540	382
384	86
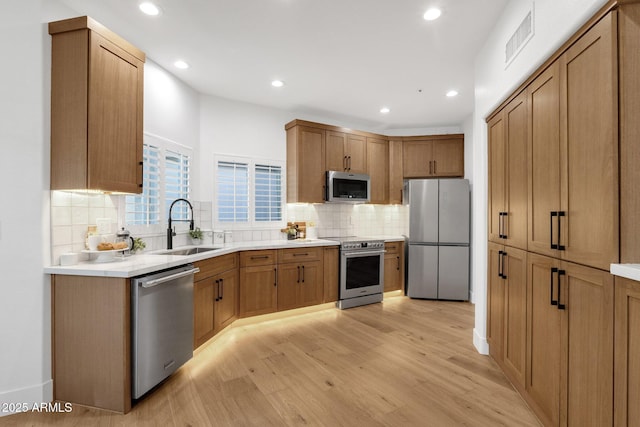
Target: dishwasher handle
170	277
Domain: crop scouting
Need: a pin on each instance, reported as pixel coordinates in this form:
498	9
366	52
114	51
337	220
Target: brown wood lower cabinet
569	379
394	266
258	283
300	277
507	320
331	270
215	296
627	353
92	341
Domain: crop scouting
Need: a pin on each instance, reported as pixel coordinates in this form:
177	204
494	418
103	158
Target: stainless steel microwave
348	187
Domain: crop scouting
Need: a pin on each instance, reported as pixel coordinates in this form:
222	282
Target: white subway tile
61	215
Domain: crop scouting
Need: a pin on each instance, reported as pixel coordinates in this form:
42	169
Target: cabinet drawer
299	254
216	265
392	247
251	258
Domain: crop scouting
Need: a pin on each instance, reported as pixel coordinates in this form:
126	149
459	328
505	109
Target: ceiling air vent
520	37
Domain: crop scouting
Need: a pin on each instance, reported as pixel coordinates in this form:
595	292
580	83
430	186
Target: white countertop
628	271
139	264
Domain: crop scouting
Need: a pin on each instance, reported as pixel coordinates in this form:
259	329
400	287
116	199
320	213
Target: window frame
251	224
164	146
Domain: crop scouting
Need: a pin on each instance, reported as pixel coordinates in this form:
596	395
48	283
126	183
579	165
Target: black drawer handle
260	257
552	301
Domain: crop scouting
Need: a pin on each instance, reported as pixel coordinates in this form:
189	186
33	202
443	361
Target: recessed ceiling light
432	14
452	93
149	8
277	83
181	64
385	110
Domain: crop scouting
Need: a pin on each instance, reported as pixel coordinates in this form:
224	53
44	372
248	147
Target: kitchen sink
186	251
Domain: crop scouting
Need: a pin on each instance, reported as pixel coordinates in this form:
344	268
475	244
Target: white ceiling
342	59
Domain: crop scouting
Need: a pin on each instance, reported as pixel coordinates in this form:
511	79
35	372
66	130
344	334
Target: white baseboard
28	396
480	343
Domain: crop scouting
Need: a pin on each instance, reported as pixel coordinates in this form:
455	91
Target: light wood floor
401	363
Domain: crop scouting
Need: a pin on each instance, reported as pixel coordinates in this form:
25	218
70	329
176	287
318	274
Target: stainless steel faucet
170	231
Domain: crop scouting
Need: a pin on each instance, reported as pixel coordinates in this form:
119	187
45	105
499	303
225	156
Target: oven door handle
363	253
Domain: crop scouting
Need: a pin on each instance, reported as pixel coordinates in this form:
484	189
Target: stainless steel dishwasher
161	325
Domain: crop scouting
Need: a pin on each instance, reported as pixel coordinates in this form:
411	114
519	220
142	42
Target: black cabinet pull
553	245
349	162
560	215
344	163
275	277
430	168
435	167
260	257
303	274
503	234
301	254
500	264
560	305
298	281
553	302
217	290
398	267
221	289
504	254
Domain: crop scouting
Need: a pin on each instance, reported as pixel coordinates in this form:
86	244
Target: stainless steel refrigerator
439	217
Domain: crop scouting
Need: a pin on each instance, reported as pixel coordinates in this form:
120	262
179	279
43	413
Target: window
165	177
268	193
248	192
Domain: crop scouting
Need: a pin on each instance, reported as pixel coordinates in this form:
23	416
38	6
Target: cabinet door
289	278
226	307
305	165
515	310
417	159
310	289
544	160
544	338
378	165
516	187
391	272
395	172
587	357
204	292
335	157
589	185
626	350
331	263
258	290
448	157
115	118
356	152
497	175
495	302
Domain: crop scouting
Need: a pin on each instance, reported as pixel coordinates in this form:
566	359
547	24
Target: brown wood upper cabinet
395	171
507	200
346	152
305	164
378	169
97	84
573	153
433	156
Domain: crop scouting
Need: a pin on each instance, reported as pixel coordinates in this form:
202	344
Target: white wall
554	22
25	371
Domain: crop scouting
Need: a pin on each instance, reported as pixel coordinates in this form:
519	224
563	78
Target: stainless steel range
361	271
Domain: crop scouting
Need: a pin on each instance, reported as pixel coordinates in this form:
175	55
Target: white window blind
144	209
232	191
268	193
176	179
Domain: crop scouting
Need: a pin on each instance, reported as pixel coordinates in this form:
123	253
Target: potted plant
138	245
196	236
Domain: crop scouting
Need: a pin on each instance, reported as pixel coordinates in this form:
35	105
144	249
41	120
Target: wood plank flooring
400	363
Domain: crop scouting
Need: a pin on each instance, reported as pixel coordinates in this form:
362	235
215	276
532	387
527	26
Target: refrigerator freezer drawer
453	273
423	272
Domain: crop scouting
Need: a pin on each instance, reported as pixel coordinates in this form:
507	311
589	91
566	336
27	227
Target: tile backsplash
72	213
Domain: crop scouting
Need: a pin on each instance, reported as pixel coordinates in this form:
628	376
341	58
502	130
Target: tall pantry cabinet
572	110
